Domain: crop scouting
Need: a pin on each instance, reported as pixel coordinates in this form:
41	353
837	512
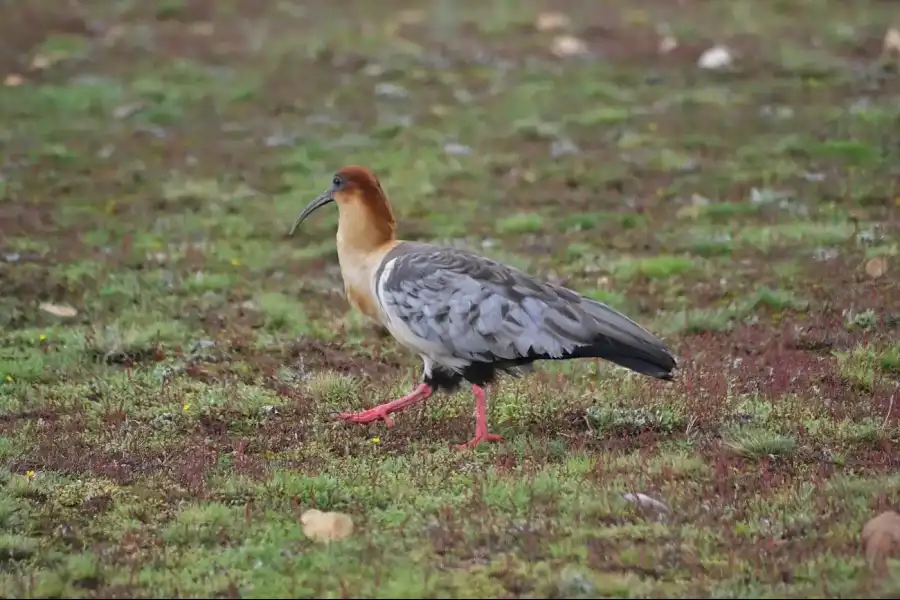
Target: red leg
422	392
481	428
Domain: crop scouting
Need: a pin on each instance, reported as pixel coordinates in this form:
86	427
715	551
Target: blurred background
630	149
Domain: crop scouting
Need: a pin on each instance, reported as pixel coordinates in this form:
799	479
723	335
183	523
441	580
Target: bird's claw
478	439
367	416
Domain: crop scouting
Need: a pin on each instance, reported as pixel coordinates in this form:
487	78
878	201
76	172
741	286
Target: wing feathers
459	305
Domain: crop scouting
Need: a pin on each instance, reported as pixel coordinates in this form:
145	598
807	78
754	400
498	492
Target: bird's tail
620	340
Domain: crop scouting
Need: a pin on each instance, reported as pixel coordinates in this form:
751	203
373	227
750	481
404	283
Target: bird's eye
336	182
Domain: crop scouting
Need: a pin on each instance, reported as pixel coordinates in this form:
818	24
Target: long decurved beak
320	201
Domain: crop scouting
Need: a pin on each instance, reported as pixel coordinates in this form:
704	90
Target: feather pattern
471	316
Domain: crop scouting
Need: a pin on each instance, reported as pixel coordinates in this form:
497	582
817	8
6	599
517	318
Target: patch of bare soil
25	25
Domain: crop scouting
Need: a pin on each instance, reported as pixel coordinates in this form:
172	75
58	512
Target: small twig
587	421
690	425
888	415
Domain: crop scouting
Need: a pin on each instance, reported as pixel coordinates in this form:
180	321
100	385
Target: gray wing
472	308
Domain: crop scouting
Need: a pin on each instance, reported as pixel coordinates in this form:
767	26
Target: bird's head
362	204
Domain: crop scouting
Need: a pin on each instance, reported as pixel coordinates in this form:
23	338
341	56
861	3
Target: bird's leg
422	392
481	428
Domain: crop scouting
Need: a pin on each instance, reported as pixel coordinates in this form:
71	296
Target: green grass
167	438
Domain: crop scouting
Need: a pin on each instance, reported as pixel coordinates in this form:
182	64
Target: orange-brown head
365	213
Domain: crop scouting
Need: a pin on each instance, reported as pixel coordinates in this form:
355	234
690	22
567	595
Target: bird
469	318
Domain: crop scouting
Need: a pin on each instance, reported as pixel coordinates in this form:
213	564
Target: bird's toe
479	439
367	416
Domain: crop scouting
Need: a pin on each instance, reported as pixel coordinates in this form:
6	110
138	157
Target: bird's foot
481	427
478	439
379	413
382	411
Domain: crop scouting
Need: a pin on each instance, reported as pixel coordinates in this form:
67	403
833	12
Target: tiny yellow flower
235	262
29	474
186	407
43	338
375	440
9	378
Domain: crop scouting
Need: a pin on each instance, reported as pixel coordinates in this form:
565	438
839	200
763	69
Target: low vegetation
170	360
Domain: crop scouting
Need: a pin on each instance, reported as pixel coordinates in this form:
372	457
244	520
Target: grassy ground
166	437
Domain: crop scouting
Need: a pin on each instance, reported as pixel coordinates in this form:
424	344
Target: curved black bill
320	201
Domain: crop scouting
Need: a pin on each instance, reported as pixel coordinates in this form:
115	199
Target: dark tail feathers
655	361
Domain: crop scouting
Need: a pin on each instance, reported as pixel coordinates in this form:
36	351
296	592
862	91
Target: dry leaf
667	44
41	62
567	45
877	267
881	538
411	16
13	80
57	310
204	28
113	34
326	526
636	17
892	41
688	211
548	21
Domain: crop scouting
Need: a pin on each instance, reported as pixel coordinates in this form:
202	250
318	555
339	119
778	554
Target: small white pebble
892	41
717	57
647	501
567	45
